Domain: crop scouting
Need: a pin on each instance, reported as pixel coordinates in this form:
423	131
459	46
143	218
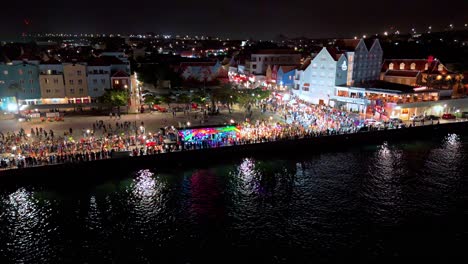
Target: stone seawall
113	167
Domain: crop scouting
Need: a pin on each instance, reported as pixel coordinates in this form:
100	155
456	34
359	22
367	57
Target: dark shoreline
108	168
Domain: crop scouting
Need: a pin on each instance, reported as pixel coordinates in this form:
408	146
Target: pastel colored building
21	80
76	83
414	71
51	81
121	81
259	61
316	84
99	71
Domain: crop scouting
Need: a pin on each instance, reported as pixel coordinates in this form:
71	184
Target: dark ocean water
374	203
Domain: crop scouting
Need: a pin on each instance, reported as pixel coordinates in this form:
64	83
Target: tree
225	95
167	99
115	97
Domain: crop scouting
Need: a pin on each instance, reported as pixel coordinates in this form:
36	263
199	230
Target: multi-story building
99	71
52	82
121	81
20	80
120	63
260	60
416	72
76	83
317	82
364	59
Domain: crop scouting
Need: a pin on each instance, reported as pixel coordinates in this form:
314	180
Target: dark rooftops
402	73
275	51
120	74
51	61
376	85
347	44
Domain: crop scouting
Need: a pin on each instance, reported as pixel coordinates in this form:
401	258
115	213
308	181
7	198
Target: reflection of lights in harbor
453	140
21	200
384	150
145	185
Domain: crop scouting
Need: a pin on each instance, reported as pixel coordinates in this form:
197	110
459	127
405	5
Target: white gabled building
348	63
316	83
364	59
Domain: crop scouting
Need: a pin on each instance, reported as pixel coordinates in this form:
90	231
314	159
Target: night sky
261	19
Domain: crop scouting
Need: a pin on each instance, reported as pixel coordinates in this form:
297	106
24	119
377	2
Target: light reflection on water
323	205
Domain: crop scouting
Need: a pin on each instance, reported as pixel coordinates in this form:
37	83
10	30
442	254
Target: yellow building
51	80
76	85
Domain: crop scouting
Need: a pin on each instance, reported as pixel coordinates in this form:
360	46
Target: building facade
260	60
420	71
76	83
316	84
20	80
51	82
98	77
121	81
364	59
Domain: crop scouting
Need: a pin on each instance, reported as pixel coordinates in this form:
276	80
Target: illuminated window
413	66
49	72
20	72
440	67
402	66
390	66
426	66
5	72
117	81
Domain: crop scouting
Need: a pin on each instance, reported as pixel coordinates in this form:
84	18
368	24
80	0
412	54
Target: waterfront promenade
289	146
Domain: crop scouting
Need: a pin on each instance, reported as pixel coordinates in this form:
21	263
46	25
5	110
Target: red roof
334	53
120	74
305	64
402	73
420	65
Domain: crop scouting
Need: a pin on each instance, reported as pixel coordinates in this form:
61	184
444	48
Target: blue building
20	80
99	71
285	76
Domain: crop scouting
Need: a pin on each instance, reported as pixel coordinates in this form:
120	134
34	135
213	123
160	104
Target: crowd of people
45	147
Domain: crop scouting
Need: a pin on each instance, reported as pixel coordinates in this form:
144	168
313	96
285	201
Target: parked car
417	118
432	117
448	116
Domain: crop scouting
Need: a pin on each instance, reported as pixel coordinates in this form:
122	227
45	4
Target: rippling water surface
389	201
